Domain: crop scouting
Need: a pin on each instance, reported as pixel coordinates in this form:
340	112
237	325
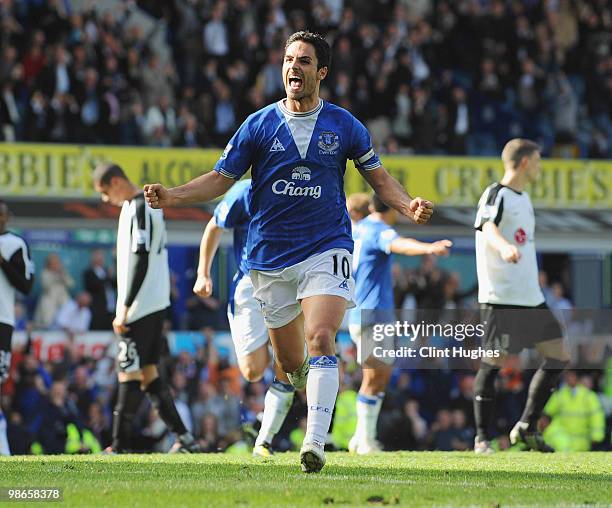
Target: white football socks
321	393
368	409
276	406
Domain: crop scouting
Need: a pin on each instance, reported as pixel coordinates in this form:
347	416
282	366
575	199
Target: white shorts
280	291
247	325
366	345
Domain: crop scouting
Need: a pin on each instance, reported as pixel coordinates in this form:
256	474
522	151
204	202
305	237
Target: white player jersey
501	282
143	276
16	273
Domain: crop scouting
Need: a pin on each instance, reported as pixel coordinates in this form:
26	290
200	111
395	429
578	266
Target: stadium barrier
51	345
52	171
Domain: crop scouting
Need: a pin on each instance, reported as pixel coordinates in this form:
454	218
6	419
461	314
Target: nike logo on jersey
277	146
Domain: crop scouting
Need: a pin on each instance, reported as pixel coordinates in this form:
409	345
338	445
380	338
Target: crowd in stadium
426	76
66	405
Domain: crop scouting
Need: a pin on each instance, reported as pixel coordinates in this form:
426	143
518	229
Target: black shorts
142	345
6	334
512	328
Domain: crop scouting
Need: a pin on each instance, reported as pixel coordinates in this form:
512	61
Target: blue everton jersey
233	213
372	266
297	163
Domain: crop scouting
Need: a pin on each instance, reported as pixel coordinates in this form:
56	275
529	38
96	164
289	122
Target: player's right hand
510	254
203	286
441	248
421	209
156	195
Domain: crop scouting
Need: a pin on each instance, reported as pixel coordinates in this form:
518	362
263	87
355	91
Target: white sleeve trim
369	167
226	174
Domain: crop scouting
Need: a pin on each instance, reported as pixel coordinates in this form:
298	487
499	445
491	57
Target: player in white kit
16	274
511	300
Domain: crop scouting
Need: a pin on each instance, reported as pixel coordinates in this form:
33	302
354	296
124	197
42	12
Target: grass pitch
392	479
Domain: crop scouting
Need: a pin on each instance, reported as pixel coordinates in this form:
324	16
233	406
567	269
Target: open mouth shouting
295	83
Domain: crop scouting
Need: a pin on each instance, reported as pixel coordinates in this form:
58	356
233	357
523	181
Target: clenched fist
421	209
510	254
157	196
203	286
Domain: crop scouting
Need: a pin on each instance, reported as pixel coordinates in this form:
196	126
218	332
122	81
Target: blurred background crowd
426	76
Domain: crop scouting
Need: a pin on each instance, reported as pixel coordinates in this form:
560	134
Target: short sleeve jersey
372	261
297	162
500	282
15	251
142	232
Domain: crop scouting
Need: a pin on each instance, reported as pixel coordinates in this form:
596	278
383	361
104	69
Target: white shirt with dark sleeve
501	282
16	274
143	276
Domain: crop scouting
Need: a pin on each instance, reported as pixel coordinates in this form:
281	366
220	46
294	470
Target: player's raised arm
392	193
201	189
208	248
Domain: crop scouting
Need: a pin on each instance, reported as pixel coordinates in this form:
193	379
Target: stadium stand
427	77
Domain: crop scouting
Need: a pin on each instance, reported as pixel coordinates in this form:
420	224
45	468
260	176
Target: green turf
404	479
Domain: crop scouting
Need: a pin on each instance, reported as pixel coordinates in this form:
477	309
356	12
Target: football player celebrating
299	245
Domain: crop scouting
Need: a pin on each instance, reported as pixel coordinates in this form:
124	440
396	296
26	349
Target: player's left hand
421	209
203	286
119	323
441	248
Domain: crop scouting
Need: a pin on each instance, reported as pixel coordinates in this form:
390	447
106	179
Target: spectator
99	424
215	35
209	438
83	390
75	315
58	413
229	417
160	116
99	284
55	284
202	312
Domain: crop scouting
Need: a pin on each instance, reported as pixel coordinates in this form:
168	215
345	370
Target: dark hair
322	49
379	205
516	149
104	173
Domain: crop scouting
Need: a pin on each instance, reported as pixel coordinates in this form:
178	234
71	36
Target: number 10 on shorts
343	264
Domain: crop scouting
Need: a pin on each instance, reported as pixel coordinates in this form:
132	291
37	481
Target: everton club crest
328	143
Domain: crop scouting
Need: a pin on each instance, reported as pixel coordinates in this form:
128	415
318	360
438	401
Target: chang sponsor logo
288	188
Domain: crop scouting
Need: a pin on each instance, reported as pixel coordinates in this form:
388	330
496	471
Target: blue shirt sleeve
232	211
238	154
361	150
385	239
